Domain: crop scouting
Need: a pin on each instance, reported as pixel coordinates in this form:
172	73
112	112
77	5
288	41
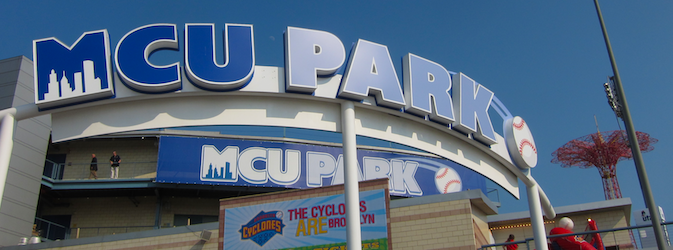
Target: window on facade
190	219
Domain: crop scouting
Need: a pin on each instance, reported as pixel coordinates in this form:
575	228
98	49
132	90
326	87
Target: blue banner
213	161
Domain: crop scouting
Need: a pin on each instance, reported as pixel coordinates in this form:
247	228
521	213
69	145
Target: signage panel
642	218
83	72
314	223
212	161
69	75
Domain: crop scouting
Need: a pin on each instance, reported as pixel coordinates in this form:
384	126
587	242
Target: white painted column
352	192
536	220
545	203
7	125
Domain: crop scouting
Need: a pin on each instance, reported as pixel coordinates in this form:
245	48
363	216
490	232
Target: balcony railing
83	232
48	230
80	171
609	236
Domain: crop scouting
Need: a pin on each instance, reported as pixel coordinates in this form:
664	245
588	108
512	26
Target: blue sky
545	60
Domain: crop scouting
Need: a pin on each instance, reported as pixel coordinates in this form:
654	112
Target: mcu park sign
91	88
70	75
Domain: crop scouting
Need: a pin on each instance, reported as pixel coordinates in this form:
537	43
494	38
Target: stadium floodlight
631	131
613	98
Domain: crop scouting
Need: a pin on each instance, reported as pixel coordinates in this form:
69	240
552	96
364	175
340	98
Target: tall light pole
635	149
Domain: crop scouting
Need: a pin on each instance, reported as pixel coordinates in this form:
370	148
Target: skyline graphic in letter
65	75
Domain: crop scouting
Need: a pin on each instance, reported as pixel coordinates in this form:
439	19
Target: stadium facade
195	131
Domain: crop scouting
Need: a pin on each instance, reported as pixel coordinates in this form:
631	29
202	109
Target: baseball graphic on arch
448	181
520	143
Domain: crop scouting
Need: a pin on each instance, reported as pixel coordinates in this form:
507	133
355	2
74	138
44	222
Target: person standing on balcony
94	167
114	165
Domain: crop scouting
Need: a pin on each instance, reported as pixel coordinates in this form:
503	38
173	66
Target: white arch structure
264	102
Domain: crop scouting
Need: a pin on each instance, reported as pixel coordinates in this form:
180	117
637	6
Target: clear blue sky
545	60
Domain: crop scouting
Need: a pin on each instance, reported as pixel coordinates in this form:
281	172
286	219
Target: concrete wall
450	221
97	216
520	233
192	206
171	239
31	138
606	214
482	234
168	242
606	220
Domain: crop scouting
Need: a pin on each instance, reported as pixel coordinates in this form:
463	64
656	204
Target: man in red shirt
569	242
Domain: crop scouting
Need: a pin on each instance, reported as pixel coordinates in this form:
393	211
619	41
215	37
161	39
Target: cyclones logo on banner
263	227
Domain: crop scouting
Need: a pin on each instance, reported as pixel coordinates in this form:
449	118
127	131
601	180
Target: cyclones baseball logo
263	227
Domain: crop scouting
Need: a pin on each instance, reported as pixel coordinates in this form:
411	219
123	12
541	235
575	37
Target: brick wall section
138	157
443	225
295	195
182	205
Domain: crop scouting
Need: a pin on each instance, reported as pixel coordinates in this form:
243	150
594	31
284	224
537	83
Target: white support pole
536	220
351	187
545	203
7	125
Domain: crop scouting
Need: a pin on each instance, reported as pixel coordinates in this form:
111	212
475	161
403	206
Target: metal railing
605	234
49	230
52	231
493	194
80	171
83	232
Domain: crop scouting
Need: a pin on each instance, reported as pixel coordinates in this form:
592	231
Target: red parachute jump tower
602	150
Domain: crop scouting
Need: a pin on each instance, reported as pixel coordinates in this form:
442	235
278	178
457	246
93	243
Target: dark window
188	219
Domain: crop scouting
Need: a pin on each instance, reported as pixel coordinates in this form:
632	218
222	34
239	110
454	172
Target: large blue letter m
66	75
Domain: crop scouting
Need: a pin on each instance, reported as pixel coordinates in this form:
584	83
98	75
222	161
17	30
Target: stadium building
195	137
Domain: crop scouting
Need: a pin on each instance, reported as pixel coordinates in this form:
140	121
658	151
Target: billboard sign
83	72
642	218
451	106
212	161
314	223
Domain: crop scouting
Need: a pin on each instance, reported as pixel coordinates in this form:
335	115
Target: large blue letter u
200	61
